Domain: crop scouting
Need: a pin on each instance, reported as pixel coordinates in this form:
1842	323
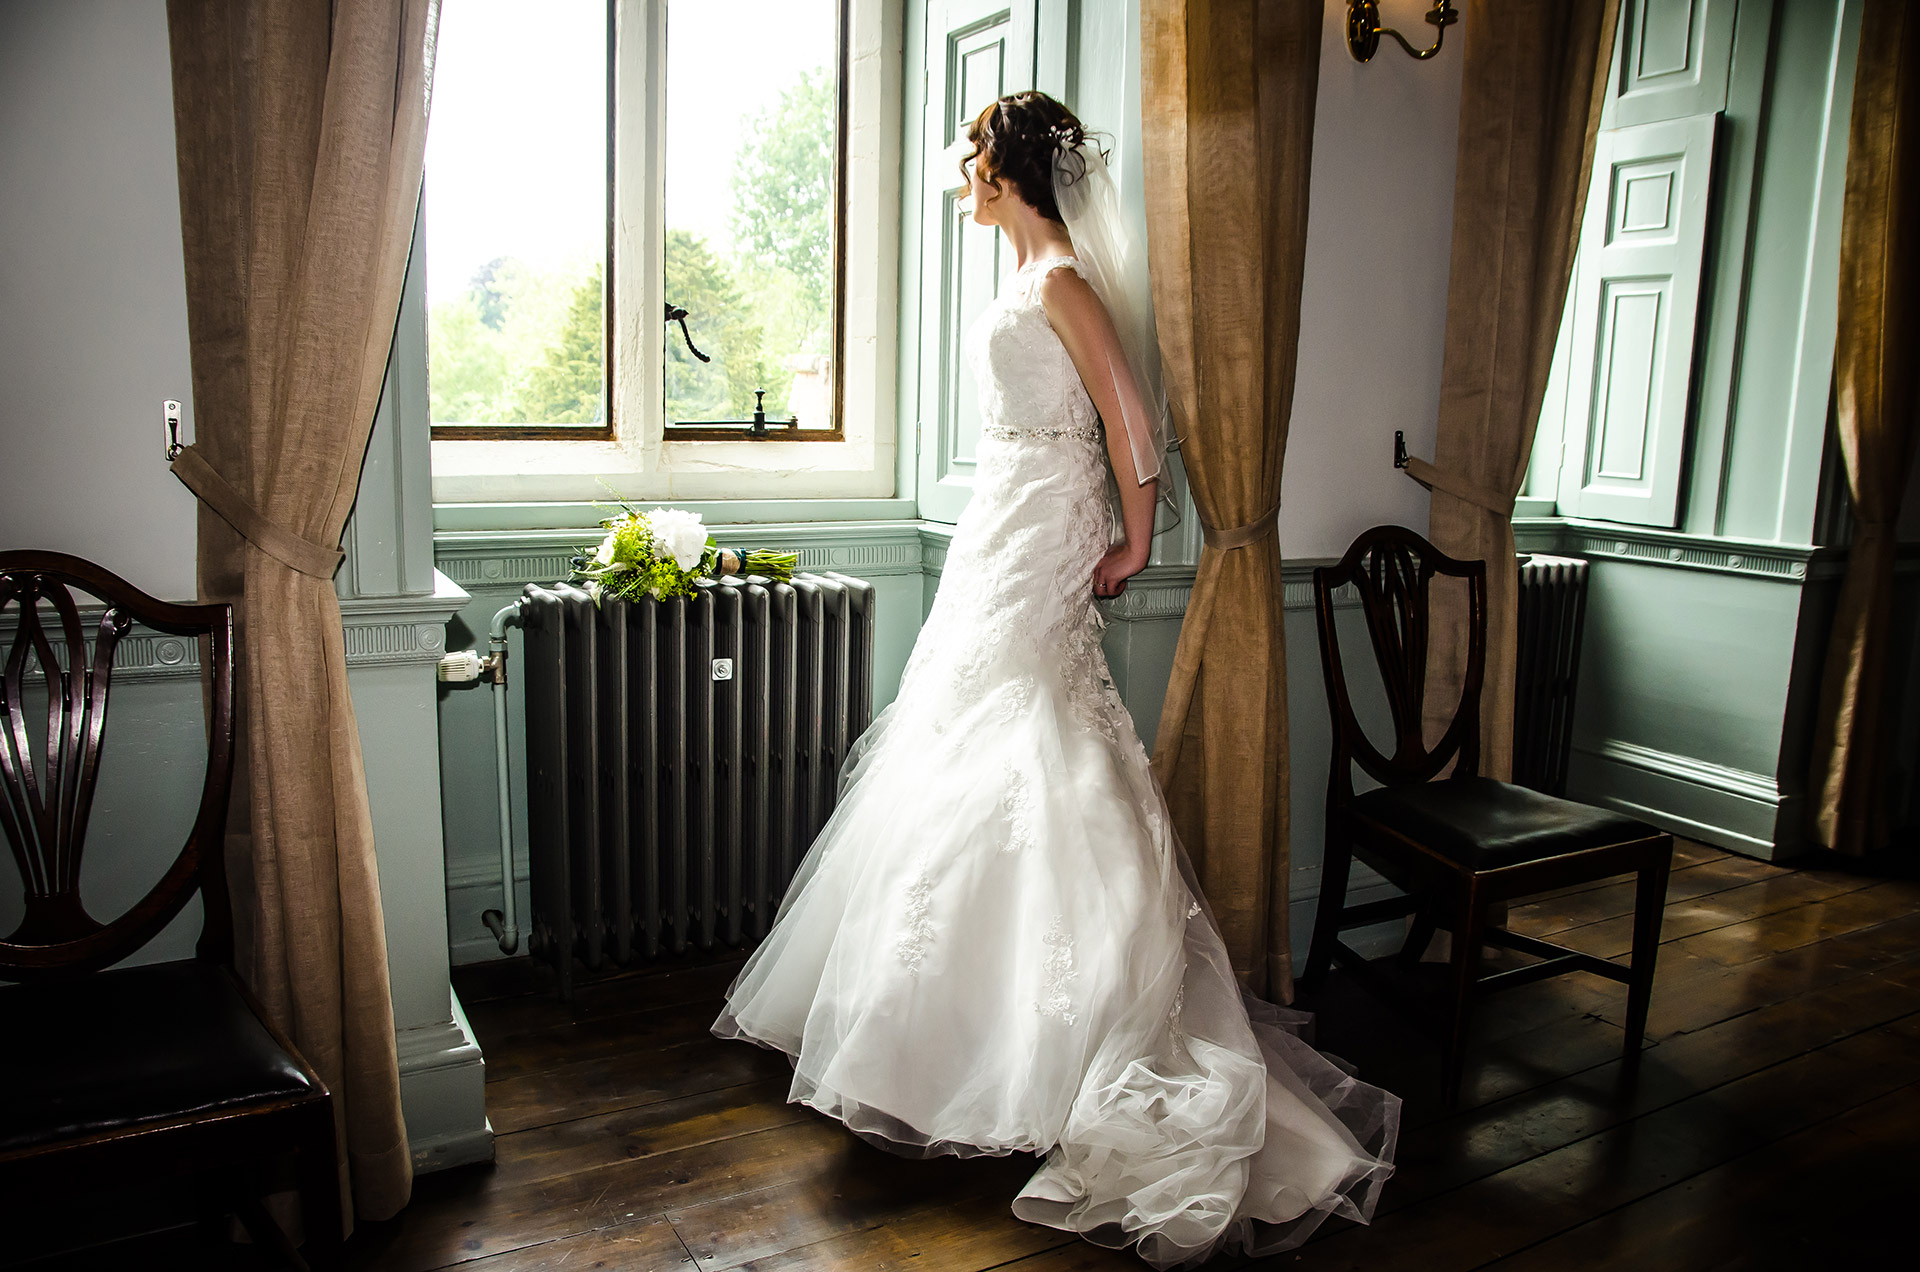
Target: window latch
679	315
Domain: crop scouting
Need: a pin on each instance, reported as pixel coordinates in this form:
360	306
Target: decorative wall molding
483	872
491	571
386	630
377	631
511	559
1729	808
1671	549
1159	591
1685	768
443	1091
142	654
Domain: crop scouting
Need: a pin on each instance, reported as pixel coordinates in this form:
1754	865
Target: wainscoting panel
1698	679
903	559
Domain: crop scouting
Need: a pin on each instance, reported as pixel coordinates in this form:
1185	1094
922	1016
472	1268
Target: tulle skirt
997	945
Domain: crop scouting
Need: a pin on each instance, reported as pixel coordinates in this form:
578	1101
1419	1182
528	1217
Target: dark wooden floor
1774	1121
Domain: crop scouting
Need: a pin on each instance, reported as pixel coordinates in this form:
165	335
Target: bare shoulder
1071	304
1062	284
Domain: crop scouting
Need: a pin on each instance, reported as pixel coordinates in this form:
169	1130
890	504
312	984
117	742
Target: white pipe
502	924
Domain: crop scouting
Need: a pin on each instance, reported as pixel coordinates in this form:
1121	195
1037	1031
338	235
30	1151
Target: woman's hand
1121	563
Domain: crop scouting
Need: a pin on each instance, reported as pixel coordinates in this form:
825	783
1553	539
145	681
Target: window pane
516	210
751	104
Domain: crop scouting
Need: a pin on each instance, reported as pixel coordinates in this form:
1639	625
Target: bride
996	944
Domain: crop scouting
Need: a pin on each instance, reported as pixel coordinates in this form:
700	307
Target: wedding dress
997	945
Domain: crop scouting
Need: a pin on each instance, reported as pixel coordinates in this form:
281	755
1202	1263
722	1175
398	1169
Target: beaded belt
1007	433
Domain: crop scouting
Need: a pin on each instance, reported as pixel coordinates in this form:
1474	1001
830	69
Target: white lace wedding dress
997	945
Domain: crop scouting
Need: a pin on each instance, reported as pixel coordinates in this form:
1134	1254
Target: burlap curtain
300	130
1227	97
1875	408
1533	81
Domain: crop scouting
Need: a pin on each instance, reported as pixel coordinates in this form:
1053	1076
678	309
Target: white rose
678	536
604	556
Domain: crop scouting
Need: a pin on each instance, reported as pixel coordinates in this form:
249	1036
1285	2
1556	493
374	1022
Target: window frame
733	430
604	431
637	454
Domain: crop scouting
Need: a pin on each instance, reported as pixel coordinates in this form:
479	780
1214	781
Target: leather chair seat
1483	824
139	1045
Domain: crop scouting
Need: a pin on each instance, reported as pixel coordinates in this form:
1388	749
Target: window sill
492	472
575	515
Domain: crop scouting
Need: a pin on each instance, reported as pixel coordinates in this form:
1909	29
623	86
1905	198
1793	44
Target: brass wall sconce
1364	29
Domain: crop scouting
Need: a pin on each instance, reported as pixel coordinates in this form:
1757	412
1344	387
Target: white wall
93	307
1374	304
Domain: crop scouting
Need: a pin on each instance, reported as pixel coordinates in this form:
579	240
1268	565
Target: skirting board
443	1093
1728	808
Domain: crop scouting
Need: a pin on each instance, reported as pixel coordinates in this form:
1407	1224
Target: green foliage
635	561
487	294
727	328
783	192
527	346
519	346
568	386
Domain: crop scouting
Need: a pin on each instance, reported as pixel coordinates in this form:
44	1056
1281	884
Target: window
595	166
752	169
517	204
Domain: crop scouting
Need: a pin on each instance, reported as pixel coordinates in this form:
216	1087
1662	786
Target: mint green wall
151	768
1756	431
1703	643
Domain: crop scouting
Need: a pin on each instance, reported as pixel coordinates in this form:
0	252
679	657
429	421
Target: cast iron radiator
1553	607
681	756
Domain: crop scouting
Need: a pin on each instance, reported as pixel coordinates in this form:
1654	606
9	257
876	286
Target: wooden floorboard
1768	1122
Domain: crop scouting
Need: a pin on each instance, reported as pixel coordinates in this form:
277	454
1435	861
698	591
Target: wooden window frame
673	431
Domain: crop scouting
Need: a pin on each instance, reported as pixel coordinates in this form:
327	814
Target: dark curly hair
1014	140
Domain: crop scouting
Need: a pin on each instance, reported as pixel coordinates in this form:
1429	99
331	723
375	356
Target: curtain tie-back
1459	487
1241	536
272	538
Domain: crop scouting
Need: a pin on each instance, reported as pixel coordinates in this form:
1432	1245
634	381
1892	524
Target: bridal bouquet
660	552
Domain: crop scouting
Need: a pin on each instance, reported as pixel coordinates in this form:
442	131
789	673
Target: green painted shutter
976	50
1671	60
1635	308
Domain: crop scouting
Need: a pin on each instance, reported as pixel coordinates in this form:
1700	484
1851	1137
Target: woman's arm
1086	331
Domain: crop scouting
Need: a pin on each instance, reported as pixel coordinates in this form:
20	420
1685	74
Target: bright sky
516	150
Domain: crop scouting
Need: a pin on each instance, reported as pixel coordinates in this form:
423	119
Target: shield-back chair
140	1071
1460	845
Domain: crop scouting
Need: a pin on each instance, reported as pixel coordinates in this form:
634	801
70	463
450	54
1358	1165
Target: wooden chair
139	1072
1460	845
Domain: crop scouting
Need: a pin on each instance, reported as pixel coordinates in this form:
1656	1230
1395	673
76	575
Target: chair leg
268	1235
1469	935
1419	935
1334	869
1649	905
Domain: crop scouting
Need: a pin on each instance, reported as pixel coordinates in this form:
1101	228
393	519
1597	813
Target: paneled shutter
1636	302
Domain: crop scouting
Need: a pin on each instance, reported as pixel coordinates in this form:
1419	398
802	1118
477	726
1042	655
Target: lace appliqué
1193	909
912	945
1059	972
1092	698
1014	699
1176	1032
1019	803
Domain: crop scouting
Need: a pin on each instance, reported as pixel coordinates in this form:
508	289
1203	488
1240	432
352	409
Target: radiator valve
461	667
